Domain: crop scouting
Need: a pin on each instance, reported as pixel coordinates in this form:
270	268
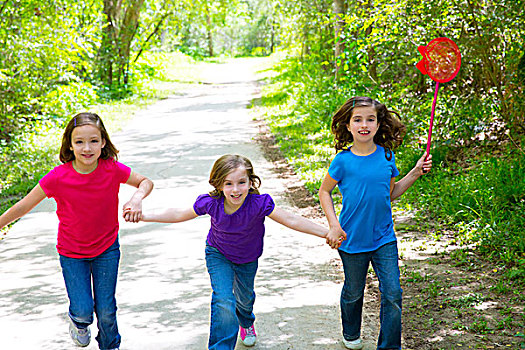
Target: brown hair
389	135
67	155
224	166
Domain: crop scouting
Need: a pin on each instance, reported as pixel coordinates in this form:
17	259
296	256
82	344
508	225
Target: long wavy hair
389	134
224	166
86	118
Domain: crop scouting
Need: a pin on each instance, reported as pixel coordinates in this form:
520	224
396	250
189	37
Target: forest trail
163	291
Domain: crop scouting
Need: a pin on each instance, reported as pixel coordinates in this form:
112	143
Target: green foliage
483	205
65	100
44	47
28	157
33	150
476	187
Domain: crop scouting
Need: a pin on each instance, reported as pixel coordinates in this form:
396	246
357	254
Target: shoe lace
82	331
250	331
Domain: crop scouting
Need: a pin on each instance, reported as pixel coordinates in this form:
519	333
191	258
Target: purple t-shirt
239	236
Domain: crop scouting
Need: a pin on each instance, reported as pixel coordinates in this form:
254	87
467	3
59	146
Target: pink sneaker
248	336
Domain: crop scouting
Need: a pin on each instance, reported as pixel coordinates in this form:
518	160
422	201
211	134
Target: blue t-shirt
239	236
364	182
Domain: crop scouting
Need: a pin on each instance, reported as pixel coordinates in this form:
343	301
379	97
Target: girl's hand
423	165
132	211
335	237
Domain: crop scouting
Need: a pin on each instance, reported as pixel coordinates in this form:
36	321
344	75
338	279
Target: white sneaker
81	337
353	344
248	336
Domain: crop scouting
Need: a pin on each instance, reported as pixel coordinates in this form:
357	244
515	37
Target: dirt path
163	292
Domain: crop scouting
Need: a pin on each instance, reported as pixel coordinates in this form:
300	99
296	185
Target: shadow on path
163	291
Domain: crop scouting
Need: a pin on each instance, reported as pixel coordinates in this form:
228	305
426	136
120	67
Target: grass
451	306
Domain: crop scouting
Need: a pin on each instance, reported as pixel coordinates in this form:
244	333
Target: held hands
423	165
132	211
335	237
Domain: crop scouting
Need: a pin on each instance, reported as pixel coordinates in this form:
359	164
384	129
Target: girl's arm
422	167
336	234
170	215
297	223
23	206
133	208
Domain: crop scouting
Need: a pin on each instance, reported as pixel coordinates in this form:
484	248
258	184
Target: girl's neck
229	209
84	169
363	149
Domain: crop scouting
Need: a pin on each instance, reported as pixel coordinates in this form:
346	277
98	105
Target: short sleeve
336	169
202	204
395	172
123	172
267	204
48	183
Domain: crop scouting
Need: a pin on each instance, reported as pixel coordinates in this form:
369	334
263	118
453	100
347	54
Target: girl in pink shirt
85	188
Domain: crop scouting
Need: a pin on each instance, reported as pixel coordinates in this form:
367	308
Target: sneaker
248	336
80	336
353	344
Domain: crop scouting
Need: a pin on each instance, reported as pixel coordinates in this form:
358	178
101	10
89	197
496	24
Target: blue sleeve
395	172
336	169
201	204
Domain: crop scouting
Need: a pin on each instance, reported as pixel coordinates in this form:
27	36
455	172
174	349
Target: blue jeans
232	298
103	270
385	264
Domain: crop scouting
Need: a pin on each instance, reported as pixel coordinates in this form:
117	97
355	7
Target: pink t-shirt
87	206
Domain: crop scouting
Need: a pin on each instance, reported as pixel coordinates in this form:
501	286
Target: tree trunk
339	25
128	29
106	52
118	32
372	64
209	35
521	69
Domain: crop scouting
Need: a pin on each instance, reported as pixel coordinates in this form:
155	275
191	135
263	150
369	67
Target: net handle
432	120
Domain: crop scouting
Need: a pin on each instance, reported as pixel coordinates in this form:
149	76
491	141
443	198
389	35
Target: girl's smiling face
235	188
363	124
86	144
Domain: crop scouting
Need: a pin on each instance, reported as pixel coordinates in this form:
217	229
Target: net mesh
442	60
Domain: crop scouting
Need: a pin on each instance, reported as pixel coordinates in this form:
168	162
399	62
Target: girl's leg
105	271
224	325
355	268
385	263
243	287
77	277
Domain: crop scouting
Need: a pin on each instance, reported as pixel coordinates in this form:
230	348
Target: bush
475	190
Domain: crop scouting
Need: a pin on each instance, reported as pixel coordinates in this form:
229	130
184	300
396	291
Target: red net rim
442	59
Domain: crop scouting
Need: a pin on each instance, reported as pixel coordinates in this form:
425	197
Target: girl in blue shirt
365	170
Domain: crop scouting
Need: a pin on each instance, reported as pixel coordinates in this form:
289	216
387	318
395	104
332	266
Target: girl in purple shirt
234	244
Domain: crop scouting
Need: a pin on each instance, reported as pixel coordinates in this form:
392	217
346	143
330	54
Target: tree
119	28
339	25
44	46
